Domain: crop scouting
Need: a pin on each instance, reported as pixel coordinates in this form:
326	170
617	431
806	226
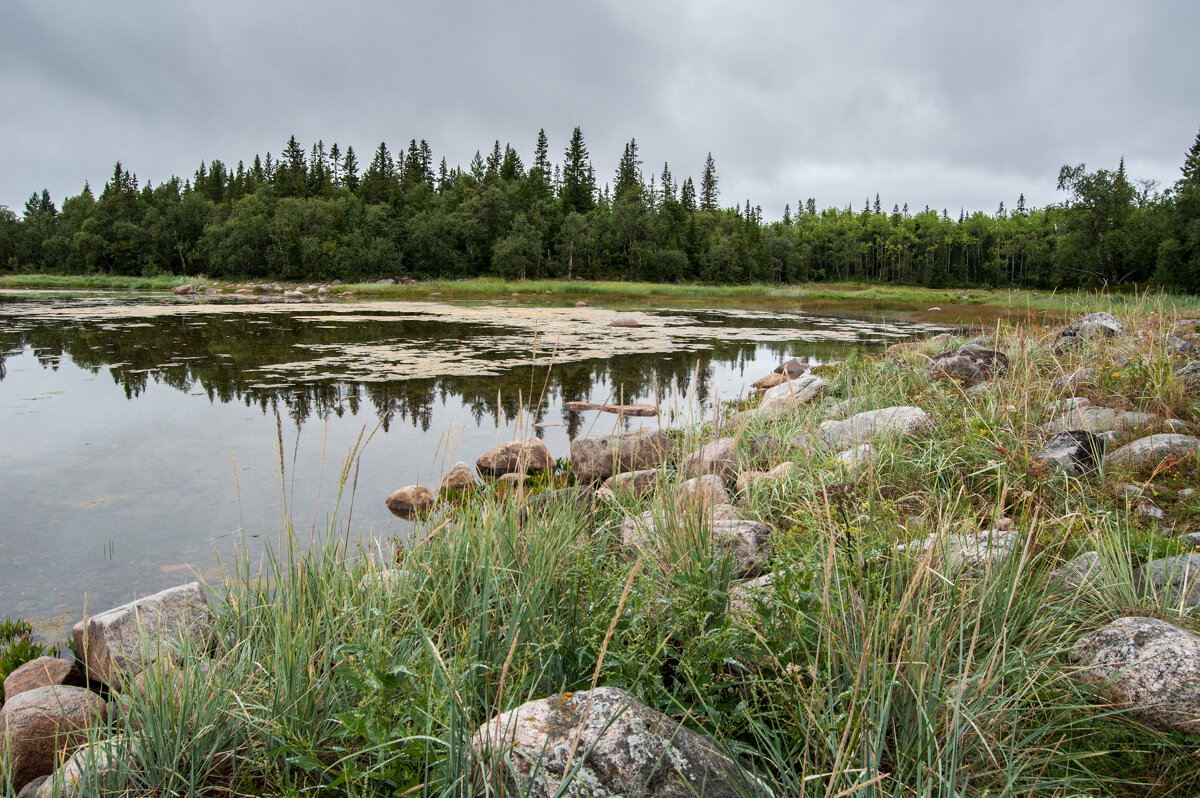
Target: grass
866	672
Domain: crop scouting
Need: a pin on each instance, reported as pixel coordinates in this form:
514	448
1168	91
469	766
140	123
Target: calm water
140	435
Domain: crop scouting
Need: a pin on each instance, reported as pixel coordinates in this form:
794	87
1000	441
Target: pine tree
578	179
335	164
477	168
687	196
1021	203
350	169
292	173
787	214
541	155
628	180
876	208
668	184
495	160
443	177
511	168
708	185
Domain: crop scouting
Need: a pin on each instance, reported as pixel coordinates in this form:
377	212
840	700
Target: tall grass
865	672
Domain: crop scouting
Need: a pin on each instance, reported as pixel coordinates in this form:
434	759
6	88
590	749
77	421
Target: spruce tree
668	184
687	196
350	169
335	164
708	185
628	180
495	160
1191	164
511	168
578	179
541	155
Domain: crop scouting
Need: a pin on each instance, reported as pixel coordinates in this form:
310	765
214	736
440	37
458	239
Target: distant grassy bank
950	303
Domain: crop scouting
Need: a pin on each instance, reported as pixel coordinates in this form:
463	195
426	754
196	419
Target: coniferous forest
317	213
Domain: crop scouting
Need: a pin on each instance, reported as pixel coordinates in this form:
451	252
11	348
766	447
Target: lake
141	434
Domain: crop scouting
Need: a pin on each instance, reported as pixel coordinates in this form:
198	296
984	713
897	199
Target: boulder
410	501
969	363
855	458
40	725
637	483
244	292
707	490
1077	572
743	596
1074	453
712	458
624	321
41	672
1097	419
975	551
458	479
800	391
31	789
1171	581
1148	665
1149	452
1189	374
1076	379
86	773
745	541
791	369
862	427
596	458
602	742
117	644
769	381
748	478
183	290
1094	325
1067	405
574	499
523	455
581	304
293	295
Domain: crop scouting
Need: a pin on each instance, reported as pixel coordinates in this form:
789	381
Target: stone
1173	581
1148	665
581	304
516	480
791	369
1076	379
1151	512
1077	572
1175	425
1149	452
596	458
293	295
709	489
624	321
523	455
980	388
769	381
1181	347
712	458
1098	419
183	290
39	725
800	391
31	789
410	501
1094	325
244	292
458	479
1189	374
87	773
41	672
745	541
615	744
578	498
1073	453
862	427
855	458
969	363
974	551
636	483
117	644
1067	405
746	479
743	596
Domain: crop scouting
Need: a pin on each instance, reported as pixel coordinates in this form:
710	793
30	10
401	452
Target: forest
315	214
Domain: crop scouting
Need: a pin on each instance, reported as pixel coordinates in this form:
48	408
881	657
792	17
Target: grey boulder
1094	325
969	363
1097	419
38	726
1149	452
712	458
117	644
1074	453
596	458
1173	581
520	456
602	742
1147	664
862	427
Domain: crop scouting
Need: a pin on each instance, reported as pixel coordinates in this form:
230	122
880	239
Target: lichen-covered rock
1074	453
745	541
118	643
523	455
975	551
615	744
862	427
41	672
1076	379
1097	419
1147	664
410	501
39	725
1077	572
708	490
636	483
596	458
969	363
855	458
1094	325
1174	581
712	458
1149	452
799	391
459	479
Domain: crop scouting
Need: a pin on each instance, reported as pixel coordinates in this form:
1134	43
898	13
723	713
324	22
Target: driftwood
620	410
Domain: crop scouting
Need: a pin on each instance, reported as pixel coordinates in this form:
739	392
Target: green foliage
17	645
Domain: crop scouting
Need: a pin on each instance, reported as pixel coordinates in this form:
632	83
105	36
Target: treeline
315	214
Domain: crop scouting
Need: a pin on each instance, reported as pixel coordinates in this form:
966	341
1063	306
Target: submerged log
620	410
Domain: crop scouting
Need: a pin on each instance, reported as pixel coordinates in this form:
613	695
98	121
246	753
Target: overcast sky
949	104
